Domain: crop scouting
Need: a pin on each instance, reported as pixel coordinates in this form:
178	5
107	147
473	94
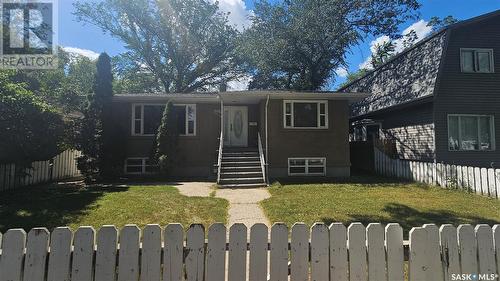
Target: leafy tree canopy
297	44
187	45
31	129
386	50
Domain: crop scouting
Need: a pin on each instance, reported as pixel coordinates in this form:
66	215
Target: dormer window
476	60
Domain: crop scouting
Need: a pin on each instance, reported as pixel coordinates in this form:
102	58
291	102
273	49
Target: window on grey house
476	60
471	132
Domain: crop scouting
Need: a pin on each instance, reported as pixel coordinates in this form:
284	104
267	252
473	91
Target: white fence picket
60	254
417	258
356	243
11	263
433	252
496	243
279	253
468	249
485	249
258	252
128	260
195	246
299	253
174	252
319	252
491	183
216	253
484	182
151	253
376	251
497	182
36	255
395	251
237	252
477	180
83	254
449	247
105	260
339	266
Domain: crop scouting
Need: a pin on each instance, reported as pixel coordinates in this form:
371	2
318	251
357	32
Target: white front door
236	126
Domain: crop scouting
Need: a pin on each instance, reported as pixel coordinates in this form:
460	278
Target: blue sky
89	40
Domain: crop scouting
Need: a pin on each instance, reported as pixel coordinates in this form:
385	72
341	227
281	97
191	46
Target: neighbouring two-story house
241	138
440	99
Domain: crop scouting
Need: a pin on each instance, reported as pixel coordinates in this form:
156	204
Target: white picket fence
60	167
320	253
482	181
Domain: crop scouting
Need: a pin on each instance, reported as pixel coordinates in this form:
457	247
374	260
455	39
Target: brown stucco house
242	138
438	100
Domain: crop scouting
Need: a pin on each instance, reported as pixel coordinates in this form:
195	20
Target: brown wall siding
196	154
468	93
331	143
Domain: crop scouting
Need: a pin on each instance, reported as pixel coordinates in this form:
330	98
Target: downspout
267	142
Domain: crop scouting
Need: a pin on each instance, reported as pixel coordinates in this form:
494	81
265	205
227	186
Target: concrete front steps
241	168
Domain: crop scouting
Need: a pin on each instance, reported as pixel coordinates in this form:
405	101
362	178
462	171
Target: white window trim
186	125
306	172
492	132
134	105
318	126
476	60
143	166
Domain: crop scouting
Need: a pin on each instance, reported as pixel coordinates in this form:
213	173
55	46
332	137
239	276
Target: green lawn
72	205
375	200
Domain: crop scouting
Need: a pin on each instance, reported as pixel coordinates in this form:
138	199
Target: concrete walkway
243	203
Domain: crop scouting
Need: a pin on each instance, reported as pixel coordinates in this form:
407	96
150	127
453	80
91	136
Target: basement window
314	166
476	60
301	114
139	165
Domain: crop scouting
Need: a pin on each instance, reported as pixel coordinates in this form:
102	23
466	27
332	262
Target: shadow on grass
409	217
49	205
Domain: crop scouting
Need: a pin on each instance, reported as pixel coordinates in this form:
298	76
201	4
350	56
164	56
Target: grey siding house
440	99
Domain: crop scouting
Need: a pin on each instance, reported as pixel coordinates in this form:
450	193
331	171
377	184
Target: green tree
297	44
96	140
30	128
166	140
382	53
187	45
438	23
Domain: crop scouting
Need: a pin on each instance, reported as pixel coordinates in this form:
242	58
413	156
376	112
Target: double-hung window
301	114
186	119
471	132
146	119
313	166
476	60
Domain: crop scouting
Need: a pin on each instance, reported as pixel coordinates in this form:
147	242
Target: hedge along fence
60	167
482	181
320	253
